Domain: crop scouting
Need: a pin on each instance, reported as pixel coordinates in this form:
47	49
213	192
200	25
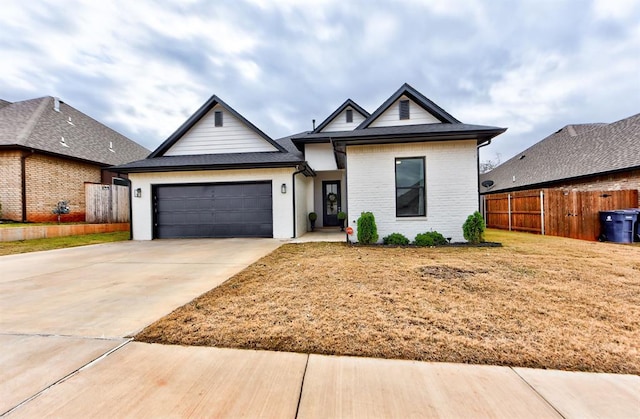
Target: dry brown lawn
542	302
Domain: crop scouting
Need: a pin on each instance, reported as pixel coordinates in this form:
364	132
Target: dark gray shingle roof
402	133
575	151
34	124
289	158
211	162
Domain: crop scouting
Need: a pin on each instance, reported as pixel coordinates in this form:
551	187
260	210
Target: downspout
23	176
478	168
130	206
293	189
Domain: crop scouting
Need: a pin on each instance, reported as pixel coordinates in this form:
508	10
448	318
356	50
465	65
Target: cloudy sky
142	67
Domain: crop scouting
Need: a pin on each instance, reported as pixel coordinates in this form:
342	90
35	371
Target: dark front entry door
330	202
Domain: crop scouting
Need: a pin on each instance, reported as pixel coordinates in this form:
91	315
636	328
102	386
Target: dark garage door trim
221	209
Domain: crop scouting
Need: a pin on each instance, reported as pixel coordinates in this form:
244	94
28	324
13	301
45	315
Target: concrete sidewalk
143	380
65	316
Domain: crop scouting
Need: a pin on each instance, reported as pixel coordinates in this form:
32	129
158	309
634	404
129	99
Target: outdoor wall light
137	193
283	188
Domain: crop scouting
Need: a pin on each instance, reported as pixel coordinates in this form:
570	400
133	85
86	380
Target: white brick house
410	163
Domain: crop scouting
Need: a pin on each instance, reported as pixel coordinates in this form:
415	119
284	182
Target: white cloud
149	64
617	10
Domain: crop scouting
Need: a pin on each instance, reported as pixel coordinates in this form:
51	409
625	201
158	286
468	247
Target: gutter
189	168
130	206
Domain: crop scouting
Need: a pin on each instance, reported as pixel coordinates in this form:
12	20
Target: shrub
342	215
313	216
430	238
395	238
473	228
367	229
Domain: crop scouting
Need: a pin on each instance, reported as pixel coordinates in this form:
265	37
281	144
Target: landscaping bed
541	302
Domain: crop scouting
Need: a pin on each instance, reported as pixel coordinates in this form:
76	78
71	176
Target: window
404	109
410	196
349	115
218	118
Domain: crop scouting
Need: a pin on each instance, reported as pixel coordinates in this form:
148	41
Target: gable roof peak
198	115
425	103
346	104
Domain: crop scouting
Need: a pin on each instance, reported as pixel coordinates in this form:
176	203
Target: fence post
509	210
542	212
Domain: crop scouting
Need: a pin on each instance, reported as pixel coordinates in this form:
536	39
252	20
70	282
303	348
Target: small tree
61	208
367	229
490	164
473	228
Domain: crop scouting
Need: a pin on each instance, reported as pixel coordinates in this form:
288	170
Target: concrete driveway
62	309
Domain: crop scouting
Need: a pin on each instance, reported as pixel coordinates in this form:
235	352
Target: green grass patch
37	245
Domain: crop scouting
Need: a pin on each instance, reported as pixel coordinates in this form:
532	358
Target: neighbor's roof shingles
575	151
34	124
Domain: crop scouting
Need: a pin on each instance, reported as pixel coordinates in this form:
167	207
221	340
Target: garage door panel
214	210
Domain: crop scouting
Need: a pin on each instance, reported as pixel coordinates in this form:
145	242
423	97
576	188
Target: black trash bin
618	226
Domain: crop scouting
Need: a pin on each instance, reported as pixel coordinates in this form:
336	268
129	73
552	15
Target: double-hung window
410	187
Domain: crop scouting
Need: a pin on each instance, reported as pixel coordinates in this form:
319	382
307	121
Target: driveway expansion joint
66	377
538	393
304	374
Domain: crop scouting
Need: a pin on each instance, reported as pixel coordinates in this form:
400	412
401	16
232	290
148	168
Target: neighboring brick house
410	163
585	157
48	151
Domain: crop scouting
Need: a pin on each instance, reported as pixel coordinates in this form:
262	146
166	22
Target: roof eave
50	153
300	142
194	167
480	136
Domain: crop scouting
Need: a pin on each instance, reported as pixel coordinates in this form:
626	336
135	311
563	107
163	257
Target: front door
330	202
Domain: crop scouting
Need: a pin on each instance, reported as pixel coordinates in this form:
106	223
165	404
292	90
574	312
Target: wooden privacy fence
554	212
106	203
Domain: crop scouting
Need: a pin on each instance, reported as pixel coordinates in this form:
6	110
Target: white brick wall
451	186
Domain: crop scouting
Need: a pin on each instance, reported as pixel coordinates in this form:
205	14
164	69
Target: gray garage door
213	210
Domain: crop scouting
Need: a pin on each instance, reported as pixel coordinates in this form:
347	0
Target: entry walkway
328	234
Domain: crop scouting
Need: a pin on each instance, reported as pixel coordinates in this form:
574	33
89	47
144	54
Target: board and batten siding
451	187
339	123
391	117
232	137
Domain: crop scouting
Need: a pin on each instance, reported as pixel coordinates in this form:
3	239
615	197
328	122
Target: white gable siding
232	137
339	123
320	156
451	187
391	117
